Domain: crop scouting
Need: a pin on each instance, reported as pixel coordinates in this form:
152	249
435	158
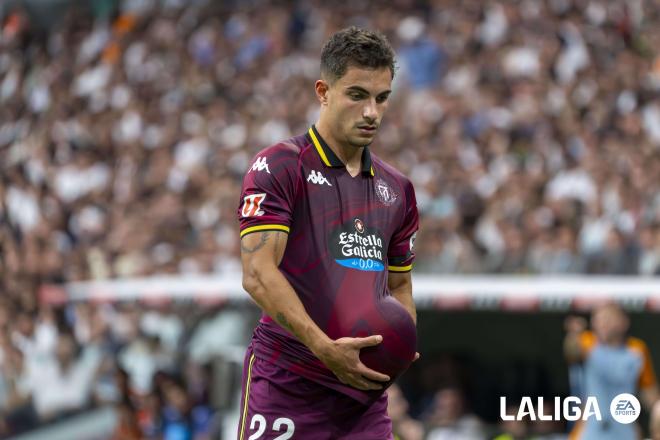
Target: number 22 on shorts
259	423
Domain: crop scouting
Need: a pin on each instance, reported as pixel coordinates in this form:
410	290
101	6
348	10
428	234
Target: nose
370	111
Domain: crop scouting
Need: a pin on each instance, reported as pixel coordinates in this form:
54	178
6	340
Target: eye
355	96
381	99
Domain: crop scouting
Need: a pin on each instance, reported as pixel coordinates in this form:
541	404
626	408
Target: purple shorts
277	404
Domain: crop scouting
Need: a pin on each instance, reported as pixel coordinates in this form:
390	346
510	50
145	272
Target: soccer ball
388	318
394	355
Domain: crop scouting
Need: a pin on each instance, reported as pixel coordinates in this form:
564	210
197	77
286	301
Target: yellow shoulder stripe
264	228
400	268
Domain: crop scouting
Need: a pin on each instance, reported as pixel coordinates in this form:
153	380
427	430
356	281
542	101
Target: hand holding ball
388	318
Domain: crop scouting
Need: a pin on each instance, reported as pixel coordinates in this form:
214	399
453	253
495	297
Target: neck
614	341
350	155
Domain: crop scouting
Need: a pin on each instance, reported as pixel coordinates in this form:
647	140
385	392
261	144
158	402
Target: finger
369	341
372	374
365	385
354	381
416	356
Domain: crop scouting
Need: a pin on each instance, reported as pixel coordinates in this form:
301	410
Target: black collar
330	159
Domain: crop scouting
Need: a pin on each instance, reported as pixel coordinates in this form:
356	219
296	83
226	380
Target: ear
322	88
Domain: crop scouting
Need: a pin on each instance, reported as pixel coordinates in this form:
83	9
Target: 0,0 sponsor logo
356	246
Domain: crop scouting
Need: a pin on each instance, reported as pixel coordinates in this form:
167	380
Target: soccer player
326	227
612	363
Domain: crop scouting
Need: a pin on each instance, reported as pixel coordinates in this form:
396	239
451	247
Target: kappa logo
260	165
317	178
252	205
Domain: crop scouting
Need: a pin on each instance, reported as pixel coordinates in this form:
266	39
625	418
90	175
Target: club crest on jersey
317	178
260	164
252	205
356	246
385	193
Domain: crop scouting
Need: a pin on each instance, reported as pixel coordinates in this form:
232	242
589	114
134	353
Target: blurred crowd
156	364
531	130
448	417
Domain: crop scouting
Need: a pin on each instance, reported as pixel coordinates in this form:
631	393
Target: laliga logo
625	408
569	409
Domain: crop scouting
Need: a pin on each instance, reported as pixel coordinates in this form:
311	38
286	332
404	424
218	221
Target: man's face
609	323
356	103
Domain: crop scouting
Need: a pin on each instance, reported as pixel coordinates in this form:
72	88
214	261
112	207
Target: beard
358	141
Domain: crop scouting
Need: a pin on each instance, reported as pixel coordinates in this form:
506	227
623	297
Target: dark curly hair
355	47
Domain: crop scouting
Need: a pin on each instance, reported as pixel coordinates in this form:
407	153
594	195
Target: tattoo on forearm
262	242
284	322
277	243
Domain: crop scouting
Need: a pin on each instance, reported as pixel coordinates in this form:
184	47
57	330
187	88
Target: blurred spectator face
397	406
517	429
609	322
5	340
176	396
4	315
65	350
15	359
25	324
545	427
353	105
448	406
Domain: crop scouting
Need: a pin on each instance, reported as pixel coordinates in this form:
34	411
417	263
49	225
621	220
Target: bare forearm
273	293
404	296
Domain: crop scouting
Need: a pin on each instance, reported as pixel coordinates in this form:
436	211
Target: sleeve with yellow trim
400	254
647	375
269	190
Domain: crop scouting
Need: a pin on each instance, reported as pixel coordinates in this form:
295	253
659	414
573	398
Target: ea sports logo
625	408
359	226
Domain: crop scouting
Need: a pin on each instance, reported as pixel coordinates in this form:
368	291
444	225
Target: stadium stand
530	129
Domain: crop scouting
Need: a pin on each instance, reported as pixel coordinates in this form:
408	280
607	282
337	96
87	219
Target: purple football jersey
344	235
